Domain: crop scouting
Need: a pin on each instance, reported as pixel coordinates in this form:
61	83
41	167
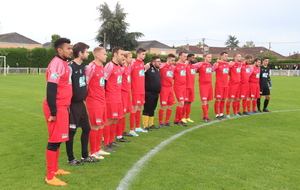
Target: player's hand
260	92
270	87
52	118
147	66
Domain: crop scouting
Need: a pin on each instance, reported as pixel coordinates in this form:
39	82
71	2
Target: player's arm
215	66
51	99
89	73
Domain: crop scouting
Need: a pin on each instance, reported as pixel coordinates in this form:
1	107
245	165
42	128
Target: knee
53	146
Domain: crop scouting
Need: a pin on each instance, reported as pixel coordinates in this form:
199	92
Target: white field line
129	177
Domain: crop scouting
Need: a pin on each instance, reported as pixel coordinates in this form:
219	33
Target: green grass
253	152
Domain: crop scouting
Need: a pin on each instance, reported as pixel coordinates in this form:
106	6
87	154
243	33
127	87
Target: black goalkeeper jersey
78	82
264	76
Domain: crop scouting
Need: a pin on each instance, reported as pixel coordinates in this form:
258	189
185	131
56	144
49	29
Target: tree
232	42
199	45
54	37
113	30
249	44
268	54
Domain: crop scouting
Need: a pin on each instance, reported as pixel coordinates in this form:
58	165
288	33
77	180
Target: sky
268	23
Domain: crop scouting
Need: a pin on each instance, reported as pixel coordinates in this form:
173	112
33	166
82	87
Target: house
15	40
197	51
155	47
294	56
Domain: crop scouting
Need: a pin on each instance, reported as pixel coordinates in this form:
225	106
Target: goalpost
3	62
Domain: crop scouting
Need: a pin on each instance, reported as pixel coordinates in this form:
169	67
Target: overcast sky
170	22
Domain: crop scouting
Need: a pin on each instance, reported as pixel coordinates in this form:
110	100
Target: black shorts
78	116
265	91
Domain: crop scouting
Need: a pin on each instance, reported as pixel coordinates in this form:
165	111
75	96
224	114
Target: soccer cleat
167	124
147	129
61	172
75	162
221	117
55	181
218	118
109	149
127	134
133	134
250	112
122	140
236	115
161	126
207	120
140	130
228	116
90	159
96	155
189	120
240	114
184	120
176	122
265	110
245	113
182	124
205	117
102	152
115	144
256	112
259	110
154	127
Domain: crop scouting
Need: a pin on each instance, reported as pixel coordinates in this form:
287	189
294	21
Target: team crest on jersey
183	73
169	74
238	70
54	76
225	70
193	71
81	81
208	70
119	80
152	70
105	74
80	71
257	75
102	81
247	70
64	136
141	73
265	75
141	65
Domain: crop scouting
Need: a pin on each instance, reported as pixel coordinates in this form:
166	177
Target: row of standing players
107	91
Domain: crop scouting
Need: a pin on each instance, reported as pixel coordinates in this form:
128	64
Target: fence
274	72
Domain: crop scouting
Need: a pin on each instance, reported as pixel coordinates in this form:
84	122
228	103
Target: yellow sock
151	119
145	120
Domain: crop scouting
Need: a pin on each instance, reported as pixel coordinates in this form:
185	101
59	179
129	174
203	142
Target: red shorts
221	92
114	110
254	90
97	116
180	92
233	91
127	107
138	99
189	95
243	90
167	96
58	131
206	92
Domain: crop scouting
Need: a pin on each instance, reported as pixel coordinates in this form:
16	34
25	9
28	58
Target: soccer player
265	84
180	87
205	84
221	85
233	85
152	88
190	92
254	87
166	95
78	113
114	105
95	101
137	90
244	84
55	106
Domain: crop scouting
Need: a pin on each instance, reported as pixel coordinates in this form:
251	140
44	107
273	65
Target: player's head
265	61
128	57
207	57
256	62
81	50
155	61
191	58
171	59
118	54
63	48
248	59
237	58
100	54
141	53
224	56
182	56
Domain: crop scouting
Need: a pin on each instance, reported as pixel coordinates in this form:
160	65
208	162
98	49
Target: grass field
252	152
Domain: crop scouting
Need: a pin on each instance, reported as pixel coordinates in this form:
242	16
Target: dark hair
116	49
153	58
182	52
190	55
248	56
222	53
60	41
79	47
140	50
256	59
171	55
264	58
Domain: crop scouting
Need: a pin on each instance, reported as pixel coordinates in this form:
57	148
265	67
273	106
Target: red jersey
254	74
234	73
96	86
245	73
166	73
222	70
205	72
58	72
126	78
190	75
113	76
138	77
180	74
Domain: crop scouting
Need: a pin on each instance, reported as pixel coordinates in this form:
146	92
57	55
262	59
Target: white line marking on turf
125	182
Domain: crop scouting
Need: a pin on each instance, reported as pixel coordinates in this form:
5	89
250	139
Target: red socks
160	116
51	161
168	115
93	141
217	107
132	120
179	112
106	133
137	119
112	133
205	110
99	139
227	108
